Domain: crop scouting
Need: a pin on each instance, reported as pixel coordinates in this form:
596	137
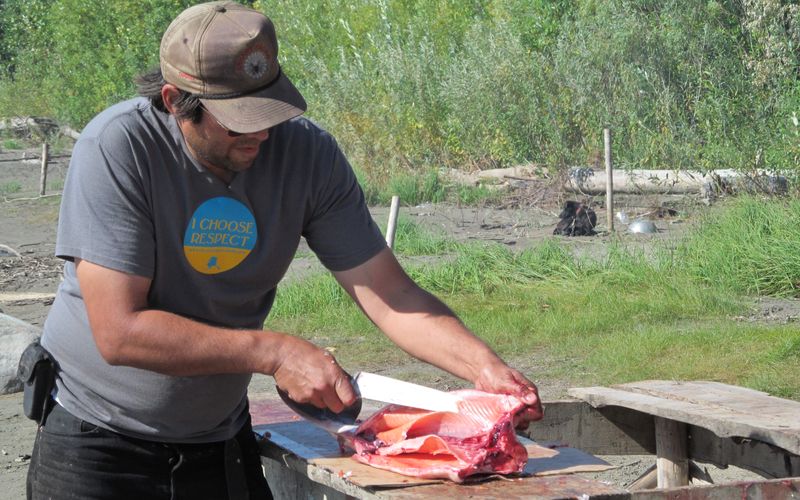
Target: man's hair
187	105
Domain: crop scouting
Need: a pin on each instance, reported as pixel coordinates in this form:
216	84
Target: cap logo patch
254	62
256	65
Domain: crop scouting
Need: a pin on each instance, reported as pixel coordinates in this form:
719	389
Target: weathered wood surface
726	410
776	489
762	458
601	431
672	459
574	422
615	430
537	488
589	181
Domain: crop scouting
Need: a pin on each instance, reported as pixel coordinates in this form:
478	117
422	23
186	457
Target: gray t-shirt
136	201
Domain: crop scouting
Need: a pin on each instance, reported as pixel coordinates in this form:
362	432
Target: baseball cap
227	54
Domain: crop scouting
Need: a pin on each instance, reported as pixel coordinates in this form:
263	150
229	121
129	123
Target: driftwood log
589	181
35	127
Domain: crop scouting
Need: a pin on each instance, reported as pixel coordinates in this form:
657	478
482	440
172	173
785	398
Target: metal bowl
643	227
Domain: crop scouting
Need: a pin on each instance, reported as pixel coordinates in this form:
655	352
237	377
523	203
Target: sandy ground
28	281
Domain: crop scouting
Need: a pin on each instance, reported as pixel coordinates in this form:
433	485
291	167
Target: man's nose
261	135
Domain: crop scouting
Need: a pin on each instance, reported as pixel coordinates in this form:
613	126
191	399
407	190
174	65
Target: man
180	215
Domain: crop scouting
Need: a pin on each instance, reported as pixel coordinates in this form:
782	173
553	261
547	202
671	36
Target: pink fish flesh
480	438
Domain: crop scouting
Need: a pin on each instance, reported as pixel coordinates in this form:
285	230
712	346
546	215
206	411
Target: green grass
475	195
412	239
608	331
749	246
414	188
12	144
628	317
10	187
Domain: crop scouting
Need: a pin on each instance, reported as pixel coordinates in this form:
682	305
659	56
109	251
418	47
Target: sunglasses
230	132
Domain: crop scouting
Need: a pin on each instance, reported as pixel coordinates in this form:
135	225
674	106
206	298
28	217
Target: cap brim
261	110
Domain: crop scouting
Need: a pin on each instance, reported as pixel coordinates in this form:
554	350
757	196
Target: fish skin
480	438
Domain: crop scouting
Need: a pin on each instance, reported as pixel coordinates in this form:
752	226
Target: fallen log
588	181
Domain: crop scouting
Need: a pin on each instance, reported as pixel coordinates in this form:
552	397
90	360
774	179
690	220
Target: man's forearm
129	332
171	344
432	333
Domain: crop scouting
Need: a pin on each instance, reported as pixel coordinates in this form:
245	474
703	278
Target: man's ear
169	93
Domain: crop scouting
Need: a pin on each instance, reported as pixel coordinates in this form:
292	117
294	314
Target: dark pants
75	459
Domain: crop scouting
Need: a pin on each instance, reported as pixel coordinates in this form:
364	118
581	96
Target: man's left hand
499	378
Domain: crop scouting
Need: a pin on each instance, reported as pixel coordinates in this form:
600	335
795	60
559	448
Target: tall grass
482	269
751	246
411	239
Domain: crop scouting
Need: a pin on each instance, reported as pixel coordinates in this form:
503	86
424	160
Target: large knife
377	388
391	390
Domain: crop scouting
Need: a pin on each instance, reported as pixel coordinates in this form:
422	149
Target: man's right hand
309	374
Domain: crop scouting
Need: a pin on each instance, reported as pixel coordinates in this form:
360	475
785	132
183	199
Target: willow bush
410	86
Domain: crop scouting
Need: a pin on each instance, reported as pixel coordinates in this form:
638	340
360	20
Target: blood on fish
480	438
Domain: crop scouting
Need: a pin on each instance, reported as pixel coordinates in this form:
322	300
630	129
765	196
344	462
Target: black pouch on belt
37	371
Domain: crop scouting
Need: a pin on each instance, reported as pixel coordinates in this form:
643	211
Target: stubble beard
220	158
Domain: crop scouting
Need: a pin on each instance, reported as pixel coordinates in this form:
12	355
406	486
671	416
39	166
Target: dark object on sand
577	219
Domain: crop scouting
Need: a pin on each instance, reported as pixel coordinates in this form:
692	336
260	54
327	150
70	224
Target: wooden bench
771	424
676	421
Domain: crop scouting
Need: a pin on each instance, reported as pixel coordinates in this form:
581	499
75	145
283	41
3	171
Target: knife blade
335	423
376	388
390	390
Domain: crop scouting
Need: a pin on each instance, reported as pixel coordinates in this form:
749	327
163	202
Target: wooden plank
539	488
269	409
311	481
648	480
296	478
726	410
762	458
672	459
600	431
289	484
776	489
614	430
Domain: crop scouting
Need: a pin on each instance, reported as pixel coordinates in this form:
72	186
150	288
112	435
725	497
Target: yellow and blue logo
220	234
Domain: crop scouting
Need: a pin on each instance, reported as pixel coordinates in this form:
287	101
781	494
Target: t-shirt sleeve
341	231
105	217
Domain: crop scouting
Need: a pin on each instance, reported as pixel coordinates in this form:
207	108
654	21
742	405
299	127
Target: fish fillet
480	438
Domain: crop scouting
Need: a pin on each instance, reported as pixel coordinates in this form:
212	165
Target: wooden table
298	451
675	421
727	411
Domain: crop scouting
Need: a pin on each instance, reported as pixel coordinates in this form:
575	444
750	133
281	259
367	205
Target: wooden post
609	181
672	459
392	225
43	176
647	481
